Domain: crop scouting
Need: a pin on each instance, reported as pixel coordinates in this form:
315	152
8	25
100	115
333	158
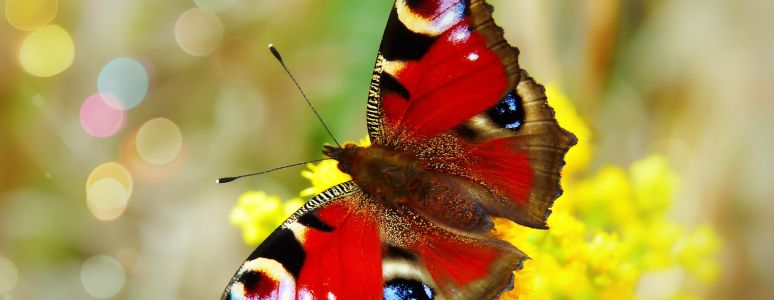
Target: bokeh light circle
102	276
107	199
145	172
30	14
47	51
125	79
111	170
100	119
9	275
214	5
198	32
159	141
108	189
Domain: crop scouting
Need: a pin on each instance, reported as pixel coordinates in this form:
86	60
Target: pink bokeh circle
98	118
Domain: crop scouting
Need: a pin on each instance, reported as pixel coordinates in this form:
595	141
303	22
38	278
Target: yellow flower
692	250
258	214
322	176
602	199
653	184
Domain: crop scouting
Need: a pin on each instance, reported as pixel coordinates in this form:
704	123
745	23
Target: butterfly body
459	134
383	174
400	178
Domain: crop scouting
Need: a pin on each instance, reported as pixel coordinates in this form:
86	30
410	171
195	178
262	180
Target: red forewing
344	258
442	62
322	252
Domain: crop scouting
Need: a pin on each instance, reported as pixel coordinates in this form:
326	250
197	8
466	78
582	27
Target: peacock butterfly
459	133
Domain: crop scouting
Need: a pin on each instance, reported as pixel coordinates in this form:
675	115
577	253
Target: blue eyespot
508	113
406	289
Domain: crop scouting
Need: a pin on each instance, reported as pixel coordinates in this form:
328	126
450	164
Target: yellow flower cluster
610	237
608	233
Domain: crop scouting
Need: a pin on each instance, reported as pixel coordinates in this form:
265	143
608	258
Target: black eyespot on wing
252	278
255	282
283	247
466	132
413	3
312	221
400	289
390	84
508	113
397	252
400	43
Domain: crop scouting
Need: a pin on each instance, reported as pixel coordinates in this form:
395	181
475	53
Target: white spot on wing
299	231
459	35
473	56
428	292
304	294
435	26
393	67
237	291
449	18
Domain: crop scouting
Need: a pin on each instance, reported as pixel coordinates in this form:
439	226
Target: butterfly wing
448	87
344	245
440	62
423	260
321	252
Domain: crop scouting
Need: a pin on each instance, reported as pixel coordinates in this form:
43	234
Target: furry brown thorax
401	179
382	173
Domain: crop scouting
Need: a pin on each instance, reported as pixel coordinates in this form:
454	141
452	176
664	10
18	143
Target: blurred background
99	202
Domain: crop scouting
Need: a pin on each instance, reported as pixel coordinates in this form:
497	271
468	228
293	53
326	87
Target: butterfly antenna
230	179
279	58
